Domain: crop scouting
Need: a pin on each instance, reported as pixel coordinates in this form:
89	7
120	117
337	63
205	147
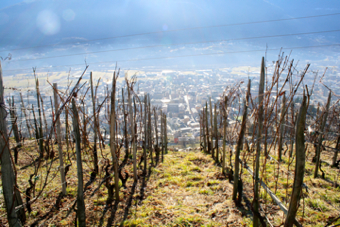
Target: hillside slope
188	190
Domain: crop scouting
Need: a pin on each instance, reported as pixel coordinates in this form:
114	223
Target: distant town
179	94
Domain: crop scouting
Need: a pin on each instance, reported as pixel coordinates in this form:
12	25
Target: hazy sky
108	31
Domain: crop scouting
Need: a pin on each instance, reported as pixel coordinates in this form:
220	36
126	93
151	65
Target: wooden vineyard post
162	135
7	176
43	113
14	120
282	118
95	155
80	195
126	139
84	137
258	147
239	144
113	143
156	132
165	135
300	164
216	137
318	148
292	131
337	147
66	131
150	148
207	128
23	109
145	134
211	129
61	161
201	133
132	134
15	123
39	130
224	133
205	150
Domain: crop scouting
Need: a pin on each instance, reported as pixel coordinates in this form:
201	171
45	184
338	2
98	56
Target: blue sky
63	23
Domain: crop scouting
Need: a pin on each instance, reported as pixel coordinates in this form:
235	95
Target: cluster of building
179	94
182	94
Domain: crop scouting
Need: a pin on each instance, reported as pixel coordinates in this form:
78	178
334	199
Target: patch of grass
209	170
134	223
317	204
286	185
196	178
281	194
64	223
190	184
180	195
175	180
206	191
188	163
166	175
34	213
156	170
185	172
196	169
213	182
100	201
199	184
216	187
199	160
189	221
71	191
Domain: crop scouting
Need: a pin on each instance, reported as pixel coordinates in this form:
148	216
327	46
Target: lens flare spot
48	22
165	27
69	14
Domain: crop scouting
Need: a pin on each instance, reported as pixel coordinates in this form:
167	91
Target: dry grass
321	201
188	190
94	205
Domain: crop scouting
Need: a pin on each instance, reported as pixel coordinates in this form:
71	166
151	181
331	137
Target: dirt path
188	190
